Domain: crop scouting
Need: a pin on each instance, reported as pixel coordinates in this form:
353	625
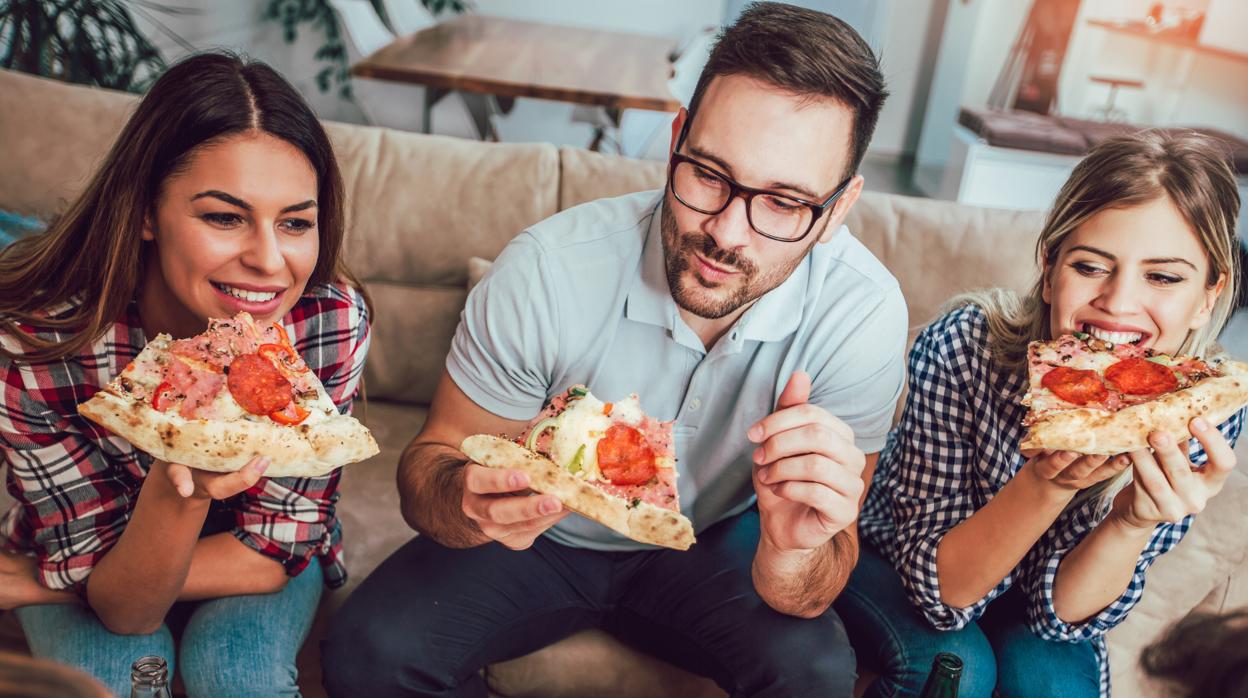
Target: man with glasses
734	302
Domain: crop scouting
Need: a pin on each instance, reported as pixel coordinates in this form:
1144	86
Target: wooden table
507	58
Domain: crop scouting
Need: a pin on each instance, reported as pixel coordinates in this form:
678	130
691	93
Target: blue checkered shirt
955	447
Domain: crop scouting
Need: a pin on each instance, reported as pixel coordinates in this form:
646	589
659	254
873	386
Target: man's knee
802	657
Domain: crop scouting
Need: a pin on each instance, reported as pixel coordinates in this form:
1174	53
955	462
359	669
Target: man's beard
717	299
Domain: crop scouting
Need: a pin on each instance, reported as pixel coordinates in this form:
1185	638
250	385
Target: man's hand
495	499
808	472
193	484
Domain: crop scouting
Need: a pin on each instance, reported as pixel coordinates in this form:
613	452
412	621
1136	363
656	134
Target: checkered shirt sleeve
933	458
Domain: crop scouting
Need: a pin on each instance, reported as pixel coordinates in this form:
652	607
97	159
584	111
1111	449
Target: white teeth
249	296
1112	337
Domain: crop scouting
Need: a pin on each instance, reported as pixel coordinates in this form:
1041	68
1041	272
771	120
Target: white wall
237	25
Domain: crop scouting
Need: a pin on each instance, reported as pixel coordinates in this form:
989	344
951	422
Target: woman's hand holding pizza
808	472
194	484
491	500
1072	472
1166	486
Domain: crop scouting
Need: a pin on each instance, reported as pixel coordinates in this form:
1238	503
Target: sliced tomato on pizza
608	461
1091	396
216	400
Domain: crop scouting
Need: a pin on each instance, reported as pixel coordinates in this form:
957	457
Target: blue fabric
13	226
427	620
999	652
954	448
583	297
238	646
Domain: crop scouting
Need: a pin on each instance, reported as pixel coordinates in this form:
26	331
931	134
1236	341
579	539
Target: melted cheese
584	424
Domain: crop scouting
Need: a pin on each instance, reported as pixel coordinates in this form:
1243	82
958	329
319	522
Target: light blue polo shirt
582	297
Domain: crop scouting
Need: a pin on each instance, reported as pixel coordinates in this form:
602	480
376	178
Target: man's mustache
705	245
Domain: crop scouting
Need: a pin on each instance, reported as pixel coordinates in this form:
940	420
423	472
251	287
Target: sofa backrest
419	206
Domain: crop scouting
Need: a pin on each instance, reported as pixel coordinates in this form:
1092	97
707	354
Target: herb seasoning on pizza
216	400
607	461
1091	396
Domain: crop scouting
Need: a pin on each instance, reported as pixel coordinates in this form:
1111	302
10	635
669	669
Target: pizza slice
1091	396
216	400
606	461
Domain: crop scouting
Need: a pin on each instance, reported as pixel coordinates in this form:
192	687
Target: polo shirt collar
650	298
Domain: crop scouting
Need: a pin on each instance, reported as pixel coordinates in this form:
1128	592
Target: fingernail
515	480
762	474
185	491
1162	440
263	465
1199	424
756	433
758	455
549	506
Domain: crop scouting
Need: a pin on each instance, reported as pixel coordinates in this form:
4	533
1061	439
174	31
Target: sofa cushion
937	249
52	136
1023	130
412	332
419	205
587	176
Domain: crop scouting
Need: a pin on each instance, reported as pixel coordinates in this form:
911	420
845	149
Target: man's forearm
805	583
431	490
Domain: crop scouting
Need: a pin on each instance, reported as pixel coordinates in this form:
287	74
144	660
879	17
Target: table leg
432	95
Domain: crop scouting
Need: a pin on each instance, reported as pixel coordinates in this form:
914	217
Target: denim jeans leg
245	646
1031	667
894	640
72	634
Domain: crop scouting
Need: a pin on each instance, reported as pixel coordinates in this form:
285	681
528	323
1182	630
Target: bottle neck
149	678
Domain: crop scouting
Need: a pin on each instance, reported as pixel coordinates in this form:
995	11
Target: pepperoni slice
257	385
1138	376
624	457
1074	385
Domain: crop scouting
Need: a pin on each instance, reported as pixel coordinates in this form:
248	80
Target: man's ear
677	124
840	208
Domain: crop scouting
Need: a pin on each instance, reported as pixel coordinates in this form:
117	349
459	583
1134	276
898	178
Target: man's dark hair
1203	655
807	53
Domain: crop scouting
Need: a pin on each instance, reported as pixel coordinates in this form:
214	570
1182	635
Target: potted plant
94	42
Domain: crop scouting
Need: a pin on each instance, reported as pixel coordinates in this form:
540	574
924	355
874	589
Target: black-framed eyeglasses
772	215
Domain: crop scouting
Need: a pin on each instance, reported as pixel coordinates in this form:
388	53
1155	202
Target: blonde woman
1020	563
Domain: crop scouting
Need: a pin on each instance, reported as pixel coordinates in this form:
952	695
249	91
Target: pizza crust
305	450
1093	431
645	523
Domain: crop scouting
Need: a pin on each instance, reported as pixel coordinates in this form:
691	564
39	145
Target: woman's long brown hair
92	254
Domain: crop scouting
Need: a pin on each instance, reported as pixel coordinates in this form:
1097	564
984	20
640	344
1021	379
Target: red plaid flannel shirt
76	483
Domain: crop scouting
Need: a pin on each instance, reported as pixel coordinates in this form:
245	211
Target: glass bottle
149	678
943	680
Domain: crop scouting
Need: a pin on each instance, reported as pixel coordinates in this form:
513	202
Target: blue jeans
429	618
998	651
238	646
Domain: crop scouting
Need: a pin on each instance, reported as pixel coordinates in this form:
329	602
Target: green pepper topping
575	465
578	391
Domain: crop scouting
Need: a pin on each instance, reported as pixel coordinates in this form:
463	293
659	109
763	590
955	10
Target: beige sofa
420	206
